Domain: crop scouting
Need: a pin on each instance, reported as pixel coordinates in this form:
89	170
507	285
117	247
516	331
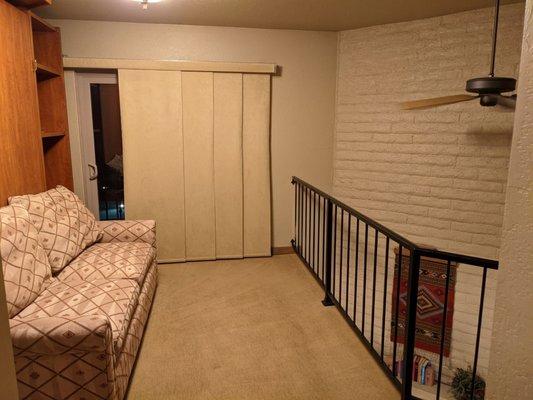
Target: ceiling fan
488	89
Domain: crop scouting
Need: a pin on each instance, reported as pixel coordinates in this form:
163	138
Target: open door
101	144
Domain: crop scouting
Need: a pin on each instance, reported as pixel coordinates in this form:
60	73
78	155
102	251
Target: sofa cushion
114	260
66	227
114	299
24	262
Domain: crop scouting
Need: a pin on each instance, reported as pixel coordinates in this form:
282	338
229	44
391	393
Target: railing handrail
423	251
308	249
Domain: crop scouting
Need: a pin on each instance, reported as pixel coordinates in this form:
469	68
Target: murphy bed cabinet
35	150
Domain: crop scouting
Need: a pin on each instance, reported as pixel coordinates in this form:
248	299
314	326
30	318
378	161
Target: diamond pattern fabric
24	261
74	358
126	360
116	260
128	231
64	358
79	337
114	299
66	227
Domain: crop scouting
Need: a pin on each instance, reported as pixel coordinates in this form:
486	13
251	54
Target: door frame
83	80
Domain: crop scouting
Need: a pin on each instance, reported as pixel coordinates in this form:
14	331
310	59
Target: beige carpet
250	329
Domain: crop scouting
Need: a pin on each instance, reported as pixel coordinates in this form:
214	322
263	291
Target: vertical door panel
21	160
197	93
256	165
228	165
152	134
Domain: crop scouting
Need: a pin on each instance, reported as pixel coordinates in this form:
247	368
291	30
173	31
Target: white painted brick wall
437	176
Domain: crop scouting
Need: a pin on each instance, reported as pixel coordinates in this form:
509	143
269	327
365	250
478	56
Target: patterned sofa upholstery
79	337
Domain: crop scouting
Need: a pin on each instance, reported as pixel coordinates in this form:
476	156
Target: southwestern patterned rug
430	307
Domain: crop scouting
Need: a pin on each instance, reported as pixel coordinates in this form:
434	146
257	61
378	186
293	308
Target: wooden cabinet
31	3
21	154
35	150
52	102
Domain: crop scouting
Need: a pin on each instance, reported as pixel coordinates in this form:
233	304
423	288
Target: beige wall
437	175
303	97
511	363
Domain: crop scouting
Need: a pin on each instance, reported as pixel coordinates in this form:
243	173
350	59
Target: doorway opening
107	135
101	144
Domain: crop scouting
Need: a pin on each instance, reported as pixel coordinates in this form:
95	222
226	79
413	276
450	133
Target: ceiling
327	15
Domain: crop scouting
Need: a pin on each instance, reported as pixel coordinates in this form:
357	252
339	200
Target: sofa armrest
128	231
60	335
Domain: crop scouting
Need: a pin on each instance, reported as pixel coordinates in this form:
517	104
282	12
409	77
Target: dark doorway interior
108	150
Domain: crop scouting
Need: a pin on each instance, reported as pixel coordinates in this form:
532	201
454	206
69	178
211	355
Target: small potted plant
462	385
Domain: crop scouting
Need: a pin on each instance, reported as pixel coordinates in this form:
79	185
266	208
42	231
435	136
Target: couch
79	293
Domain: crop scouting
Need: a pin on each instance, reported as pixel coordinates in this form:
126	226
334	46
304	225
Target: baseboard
277	251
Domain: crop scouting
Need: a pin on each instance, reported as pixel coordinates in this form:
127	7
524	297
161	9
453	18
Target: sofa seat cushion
66	227
24	261
115	299
114	260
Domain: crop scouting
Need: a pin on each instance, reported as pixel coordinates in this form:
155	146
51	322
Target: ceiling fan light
145	3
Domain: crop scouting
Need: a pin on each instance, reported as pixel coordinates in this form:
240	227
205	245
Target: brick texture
438	176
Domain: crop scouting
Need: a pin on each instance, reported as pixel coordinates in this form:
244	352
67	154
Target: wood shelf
45	135
38	24
30	3
44	72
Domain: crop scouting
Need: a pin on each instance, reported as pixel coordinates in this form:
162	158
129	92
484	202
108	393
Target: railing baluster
384	296
324	235
307	224
443	329
397	310
374	286
296	214
478	334
301	219
314	229
365	256
334	264
315	246
327	281
348	262
318	258
410	330
340	257
356	271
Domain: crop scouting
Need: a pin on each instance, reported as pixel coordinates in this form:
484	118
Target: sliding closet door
256	165
197	94
227	125
197	160
150	103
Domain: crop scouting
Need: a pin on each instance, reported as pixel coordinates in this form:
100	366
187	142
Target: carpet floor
250	329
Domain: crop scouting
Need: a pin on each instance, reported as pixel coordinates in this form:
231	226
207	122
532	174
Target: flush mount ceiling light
146	2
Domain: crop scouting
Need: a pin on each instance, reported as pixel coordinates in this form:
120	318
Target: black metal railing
348	254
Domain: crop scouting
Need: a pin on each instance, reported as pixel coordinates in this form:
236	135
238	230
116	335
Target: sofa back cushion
66	227
25	263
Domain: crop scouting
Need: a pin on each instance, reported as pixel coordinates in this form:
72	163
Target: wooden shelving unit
30	3
48	135
43	72
52	102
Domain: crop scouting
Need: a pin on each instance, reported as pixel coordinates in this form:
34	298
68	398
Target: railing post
293	241
327	279
410	330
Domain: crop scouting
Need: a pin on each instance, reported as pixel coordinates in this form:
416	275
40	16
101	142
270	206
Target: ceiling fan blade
437	101
507	101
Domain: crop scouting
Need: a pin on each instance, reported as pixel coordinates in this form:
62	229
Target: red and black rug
430	305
